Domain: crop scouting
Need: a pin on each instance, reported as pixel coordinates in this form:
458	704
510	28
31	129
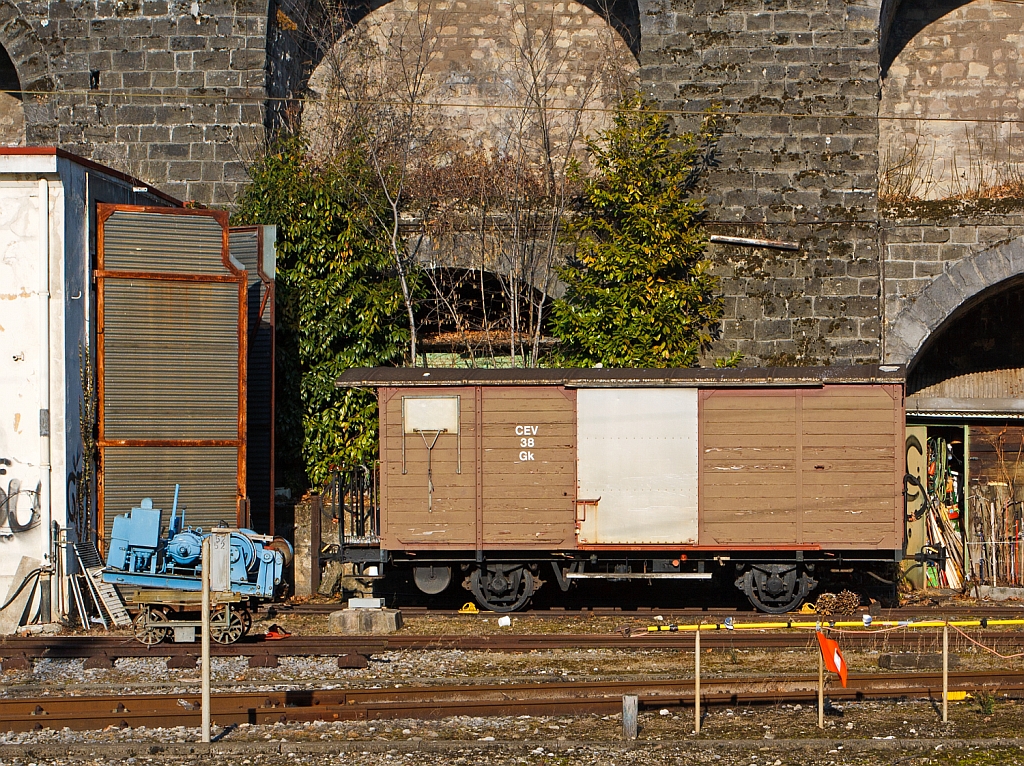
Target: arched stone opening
962	286
622	15
506	79
901	20
950	107
975	361
12	108
474	317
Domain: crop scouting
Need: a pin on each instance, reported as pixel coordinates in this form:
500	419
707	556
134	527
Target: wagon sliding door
637	466
171	347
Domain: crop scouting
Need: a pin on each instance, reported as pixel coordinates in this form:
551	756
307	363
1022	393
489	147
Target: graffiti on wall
19	507
78	499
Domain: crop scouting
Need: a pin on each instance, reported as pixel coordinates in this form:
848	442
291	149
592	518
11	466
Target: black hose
34	573
879	577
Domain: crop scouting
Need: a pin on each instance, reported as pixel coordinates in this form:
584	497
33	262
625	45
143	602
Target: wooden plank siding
802	467
529	492
507	495
406	522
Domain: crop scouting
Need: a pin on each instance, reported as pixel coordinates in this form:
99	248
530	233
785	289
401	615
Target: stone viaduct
825	102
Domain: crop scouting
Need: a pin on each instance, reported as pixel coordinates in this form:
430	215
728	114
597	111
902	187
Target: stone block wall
941	256
169	91
797	83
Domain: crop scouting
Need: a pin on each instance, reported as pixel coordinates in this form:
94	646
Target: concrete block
349	661
10	618
15	662
1000	594
182	661
914	661
349	622
307	546
366	603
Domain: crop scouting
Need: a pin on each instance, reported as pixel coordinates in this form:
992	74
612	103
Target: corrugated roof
620	378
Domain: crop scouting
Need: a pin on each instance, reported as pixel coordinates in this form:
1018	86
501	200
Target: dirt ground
988	729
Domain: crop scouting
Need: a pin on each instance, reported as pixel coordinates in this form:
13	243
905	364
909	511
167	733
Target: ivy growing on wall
338	304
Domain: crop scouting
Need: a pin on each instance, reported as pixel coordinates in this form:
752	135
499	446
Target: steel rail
431	702
716	614
112	647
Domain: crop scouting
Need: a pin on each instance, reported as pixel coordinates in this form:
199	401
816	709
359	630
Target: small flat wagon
769	476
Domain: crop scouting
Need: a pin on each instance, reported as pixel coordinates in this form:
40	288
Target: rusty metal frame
269	299
100	275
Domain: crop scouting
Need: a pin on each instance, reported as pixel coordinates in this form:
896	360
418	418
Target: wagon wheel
775	588
432	579
246	621
234	630
502	587
146	632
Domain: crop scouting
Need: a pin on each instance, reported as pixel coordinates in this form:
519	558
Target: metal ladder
103	592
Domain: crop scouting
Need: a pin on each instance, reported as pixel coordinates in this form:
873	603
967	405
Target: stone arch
963	286
900	20
484	64
622	15
28	55
949	109
12	110
24	70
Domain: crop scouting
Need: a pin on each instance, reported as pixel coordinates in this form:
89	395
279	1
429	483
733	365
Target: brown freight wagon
504	475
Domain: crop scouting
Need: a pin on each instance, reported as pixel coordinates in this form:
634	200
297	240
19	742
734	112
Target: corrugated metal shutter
131	473
171	364
248	246
163	242
157	336
986	384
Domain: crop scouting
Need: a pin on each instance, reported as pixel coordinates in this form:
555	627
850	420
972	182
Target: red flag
833	657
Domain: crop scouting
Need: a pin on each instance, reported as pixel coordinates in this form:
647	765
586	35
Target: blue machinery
169	570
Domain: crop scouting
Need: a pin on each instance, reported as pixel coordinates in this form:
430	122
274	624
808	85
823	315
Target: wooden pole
945	672
206	641
630	702
696	680
821	690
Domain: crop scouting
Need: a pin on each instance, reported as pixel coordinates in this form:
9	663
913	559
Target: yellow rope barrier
866	626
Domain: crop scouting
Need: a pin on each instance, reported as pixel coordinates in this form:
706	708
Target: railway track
644	612
432	702
18	652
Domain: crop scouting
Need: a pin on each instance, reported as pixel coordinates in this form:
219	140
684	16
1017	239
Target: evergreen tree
638	288
338	304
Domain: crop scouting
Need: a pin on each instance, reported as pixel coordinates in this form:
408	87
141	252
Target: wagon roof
379	377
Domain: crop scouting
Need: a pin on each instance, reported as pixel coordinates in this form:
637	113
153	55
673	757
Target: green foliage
638	289
338	304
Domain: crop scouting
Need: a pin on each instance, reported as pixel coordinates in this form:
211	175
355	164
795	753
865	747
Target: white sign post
205	660
216	577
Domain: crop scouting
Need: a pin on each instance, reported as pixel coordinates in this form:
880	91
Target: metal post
696	680
206	641
630	703
945	672
821	691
